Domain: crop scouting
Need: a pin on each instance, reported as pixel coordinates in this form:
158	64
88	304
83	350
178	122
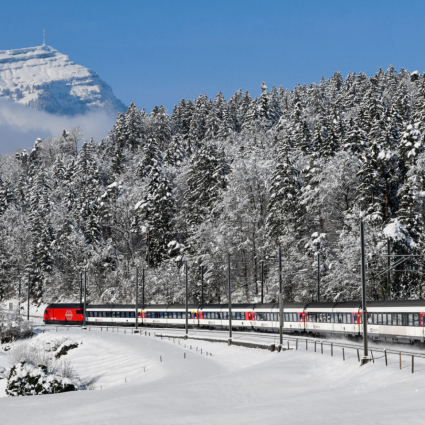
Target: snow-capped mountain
43	78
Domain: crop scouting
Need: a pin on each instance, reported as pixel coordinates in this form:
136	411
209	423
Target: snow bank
236	385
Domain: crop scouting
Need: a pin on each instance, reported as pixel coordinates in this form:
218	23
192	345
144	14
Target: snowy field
235	385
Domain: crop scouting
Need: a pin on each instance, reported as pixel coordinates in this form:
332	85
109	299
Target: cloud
21	126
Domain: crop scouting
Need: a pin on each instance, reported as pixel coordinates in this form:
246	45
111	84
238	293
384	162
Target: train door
422	324
300	320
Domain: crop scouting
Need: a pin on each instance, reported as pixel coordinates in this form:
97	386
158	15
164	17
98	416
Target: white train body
393	321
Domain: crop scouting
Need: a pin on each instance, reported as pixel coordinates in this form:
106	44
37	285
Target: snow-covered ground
235	385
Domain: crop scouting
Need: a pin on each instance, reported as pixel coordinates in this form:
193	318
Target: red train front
64	314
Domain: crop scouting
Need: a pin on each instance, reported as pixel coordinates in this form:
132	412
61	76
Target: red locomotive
64	314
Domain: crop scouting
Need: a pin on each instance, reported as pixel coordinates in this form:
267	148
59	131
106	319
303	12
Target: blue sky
156	52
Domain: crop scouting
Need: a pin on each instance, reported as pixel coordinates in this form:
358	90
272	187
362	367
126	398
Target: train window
416	319
384	319
399	319
294	317
132	314
109	314
355	318
344	318
394	319
410	319
286	317
379	319
369	318
276	317
404	319
348	317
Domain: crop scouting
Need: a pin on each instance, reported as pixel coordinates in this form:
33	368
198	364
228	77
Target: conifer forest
217	179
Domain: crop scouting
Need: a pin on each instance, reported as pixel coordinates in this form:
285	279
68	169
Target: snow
44	78
395	230
235	385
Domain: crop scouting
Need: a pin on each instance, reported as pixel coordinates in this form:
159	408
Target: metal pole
187	319
389	271
137	296
365	357
28	298
81	288
143	288
202	284
280	299
318	277
19	296
262	281
230	300
85	298
280	319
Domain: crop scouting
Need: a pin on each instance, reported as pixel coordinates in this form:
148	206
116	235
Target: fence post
343	354
371	355
386	359
321	347
358	355
288	343
296	344
314	346
400	360
332	349
413	364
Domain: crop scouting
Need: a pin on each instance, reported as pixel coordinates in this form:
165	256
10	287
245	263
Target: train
390	321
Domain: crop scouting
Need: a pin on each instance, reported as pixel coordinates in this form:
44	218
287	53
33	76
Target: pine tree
155	218
207	178
284	191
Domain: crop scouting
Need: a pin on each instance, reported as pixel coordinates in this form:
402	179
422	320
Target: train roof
65	305
396	303
111	305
